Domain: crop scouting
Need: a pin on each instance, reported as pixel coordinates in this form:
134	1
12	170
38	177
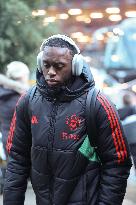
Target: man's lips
51	80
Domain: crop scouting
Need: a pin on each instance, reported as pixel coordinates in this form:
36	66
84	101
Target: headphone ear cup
39	61
77	64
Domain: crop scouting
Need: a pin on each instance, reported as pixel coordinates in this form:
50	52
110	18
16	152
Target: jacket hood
78	86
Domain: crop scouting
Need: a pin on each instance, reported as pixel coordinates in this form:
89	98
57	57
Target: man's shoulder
92	96
24	98
31	91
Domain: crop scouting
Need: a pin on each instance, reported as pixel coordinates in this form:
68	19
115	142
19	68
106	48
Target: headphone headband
63	37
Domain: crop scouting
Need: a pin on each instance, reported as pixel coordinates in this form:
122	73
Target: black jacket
8	100
50	143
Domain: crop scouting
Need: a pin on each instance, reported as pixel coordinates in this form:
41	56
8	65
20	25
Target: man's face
56	65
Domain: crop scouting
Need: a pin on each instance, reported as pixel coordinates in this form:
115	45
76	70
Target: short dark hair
58	42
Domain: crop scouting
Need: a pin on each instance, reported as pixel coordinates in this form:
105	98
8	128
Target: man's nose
51	71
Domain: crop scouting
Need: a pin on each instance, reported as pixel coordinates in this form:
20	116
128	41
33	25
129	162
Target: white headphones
77	61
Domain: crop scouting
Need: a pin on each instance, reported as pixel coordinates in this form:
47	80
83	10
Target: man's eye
46	65
58	66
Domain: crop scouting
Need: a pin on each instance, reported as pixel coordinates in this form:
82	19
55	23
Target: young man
48	140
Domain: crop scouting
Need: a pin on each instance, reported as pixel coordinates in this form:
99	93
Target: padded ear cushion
77	64
39	61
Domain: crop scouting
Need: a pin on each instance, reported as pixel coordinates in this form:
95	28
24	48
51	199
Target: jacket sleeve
18	146
114	153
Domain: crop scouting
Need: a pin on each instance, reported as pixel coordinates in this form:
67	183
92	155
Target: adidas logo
34	120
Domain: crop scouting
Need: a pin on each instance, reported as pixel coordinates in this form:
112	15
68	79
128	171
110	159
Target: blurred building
106	34
80	18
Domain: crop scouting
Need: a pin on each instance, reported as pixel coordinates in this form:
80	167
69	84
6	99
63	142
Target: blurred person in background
129	105
12	86
128	116
49	140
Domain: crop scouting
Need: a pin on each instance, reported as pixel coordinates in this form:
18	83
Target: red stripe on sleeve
12	126
112	128
123	150
11	133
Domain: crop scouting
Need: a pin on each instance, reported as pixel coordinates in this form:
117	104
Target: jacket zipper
52	124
